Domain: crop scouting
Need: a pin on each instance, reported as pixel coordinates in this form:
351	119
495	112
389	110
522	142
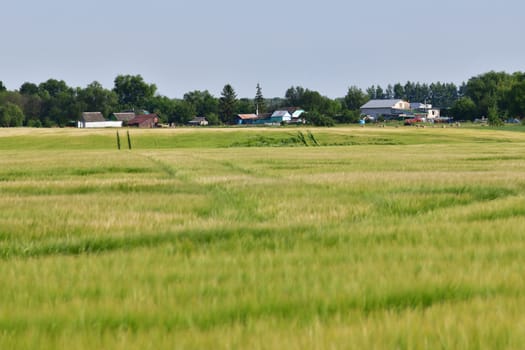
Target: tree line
51	103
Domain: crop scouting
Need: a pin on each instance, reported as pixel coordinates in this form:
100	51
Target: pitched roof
247	116
93	117
124	116
381	103
291	110
280	113
139	119
198	120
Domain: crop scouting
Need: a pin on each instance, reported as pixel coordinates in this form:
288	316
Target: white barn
96	120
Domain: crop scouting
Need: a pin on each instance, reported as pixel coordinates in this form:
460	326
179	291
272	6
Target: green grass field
278	238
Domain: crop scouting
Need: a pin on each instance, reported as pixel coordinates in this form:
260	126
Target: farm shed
145	121
96	120
386	108
246	118
198	121
124	117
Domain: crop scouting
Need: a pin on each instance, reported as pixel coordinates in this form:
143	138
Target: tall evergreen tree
227	104
260	106
399	91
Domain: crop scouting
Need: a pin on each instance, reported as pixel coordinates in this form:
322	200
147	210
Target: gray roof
381	103
198	120
93	117
124	116
280	113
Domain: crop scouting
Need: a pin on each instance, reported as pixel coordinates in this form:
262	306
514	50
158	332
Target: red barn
145	121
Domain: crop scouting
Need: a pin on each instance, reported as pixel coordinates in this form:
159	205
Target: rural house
389	109
96	120
281	116
289	114
145	121
425	110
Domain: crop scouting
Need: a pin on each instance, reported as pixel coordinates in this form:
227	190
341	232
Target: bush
348	117
319	120
11	115
213	119
34	123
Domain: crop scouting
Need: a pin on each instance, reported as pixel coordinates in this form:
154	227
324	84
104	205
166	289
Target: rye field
277	238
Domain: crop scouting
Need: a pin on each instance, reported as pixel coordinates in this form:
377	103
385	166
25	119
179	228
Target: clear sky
324	45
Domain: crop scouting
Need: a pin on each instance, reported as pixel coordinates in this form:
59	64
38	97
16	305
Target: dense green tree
515	98
94	98
487	90
275	103
228	104
464	109
260	105
213	119
313	101
184	112
318	119
59	103
203	102
332	107
371	92
355	98
294	96
399	91
493	116
54	88
410	91
380	94
443	95
2	87
28	89
245	106
133	92
389	92
29	104
11	115
348	116
32	107
12	97
164	107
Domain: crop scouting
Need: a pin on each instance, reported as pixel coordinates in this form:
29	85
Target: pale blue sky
203	44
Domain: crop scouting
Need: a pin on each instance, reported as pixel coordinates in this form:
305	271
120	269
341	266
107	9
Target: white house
282	115
288	114
425	108
385	108
96	120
